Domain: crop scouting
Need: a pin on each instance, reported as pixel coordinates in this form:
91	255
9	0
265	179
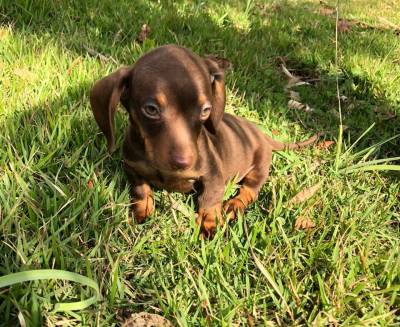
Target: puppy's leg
251	185
141	196
210	206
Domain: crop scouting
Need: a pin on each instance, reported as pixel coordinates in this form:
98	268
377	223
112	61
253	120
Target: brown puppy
179	137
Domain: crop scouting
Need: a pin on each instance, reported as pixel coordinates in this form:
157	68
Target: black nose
181	162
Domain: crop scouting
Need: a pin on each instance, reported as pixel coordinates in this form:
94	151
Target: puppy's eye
151	111
205	112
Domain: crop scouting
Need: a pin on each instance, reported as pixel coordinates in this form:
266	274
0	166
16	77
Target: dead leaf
222	62
90	184
315	164
293	80
144	33
385	113
325	144
251	322
73	64
294	95
94	53
204	304
304	223
275	132
4	32
305	194
293	104
327	11
178	206
389	115
23	73
308	108
145	319
344	26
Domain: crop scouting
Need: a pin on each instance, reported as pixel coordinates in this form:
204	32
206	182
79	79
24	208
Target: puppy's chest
171	181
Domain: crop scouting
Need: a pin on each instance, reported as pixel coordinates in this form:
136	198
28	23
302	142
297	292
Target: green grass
64	202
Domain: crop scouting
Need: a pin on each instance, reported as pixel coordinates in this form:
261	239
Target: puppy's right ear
104	98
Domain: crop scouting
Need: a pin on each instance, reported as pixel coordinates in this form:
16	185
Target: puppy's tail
279	146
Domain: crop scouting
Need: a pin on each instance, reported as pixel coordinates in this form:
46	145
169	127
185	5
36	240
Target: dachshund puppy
179	137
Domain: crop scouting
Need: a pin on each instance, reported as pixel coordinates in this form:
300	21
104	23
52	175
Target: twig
95	53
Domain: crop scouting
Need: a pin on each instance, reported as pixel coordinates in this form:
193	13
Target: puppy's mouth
190	174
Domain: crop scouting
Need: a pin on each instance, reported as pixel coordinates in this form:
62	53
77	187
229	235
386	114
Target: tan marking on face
161	99
203	99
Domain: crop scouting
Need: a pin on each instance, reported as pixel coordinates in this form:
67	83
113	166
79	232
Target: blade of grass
371	162
358	140
31	275
373	147
373	168
340	139
268	276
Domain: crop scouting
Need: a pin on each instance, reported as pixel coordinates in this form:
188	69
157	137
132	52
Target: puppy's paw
142	208
239	203
233	207
209	219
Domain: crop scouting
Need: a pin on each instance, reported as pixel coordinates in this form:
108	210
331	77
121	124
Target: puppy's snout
179	161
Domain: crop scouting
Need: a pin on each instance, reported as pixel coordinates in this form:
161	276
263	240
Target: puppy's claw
239	203
209	219
233	207
142	209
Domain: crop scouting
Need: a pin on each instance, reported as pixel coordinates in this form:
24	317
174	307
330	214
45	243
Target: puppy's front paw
239	203
142	208
209	219
233	207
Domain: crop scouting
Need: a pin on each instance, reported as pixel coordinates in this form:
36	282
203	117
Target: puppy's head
170	93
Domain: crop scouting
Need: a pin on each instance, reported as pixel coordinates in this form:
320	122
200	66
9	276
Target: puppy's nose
181	162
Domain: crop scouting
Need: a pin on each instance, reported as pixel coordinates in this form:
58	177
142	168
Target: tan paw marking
209	219
142	208
239	203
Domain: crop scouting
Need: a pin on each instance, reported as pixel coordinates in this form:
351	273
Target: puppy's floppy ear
104	98
216	67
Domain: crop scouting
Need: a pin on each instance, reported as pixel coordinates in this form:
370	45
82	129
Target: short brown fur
179	137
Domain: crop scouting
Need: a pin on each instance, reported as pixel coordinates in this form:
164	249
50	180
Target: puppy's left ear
216	67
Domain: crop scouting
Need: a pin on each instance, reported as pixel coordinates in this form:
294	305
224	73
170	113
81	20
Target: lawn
64	202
